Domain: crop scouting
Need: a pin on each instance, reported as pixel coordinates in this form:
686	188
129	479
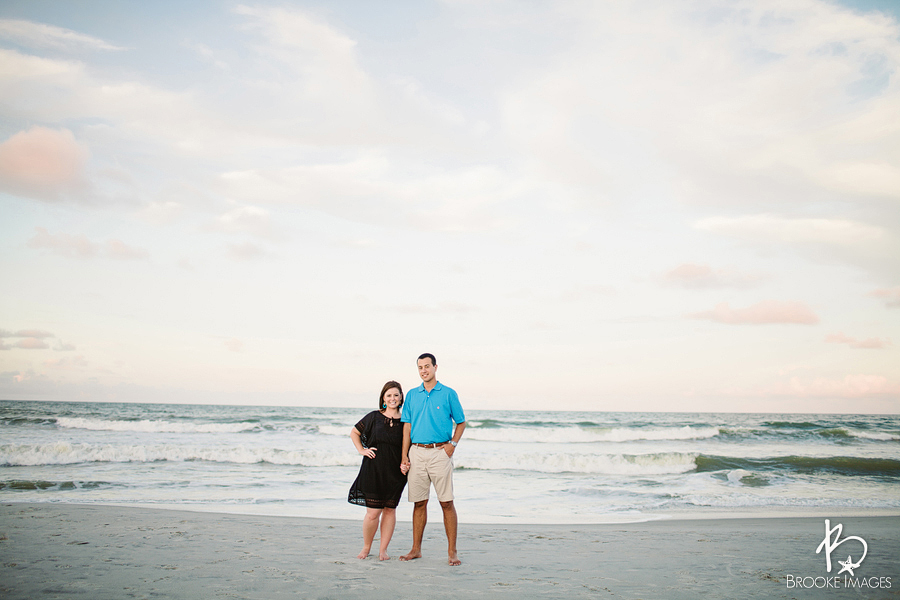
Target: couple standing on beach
417	446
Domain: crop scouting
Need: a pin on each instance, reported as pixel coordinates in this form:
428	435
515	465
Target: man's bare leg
450	523
388	520
420	517
370	526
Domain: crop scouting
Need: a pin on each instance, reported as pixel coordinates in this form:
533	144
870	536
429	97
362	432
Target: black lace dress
379	483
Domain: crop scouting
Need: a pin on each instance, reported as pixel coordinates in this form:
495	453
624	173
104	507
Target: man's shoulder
419	389
447	389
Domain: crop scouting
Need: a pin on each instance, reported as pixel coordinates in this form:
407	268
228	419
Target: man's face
426	369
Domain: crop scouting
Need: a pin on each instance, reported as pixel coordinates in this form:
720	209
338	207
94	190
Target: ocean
511	466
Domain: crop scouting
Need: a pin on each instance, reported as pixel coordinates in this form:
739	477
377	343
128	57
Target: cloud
41	163
207	54
244	219
69	362
775	228
32	344
693	276
234	344
764	92
40	35
32	339
32	333
246	251
869	343
371	189
891	296
120	250
79	246
761	313
161	213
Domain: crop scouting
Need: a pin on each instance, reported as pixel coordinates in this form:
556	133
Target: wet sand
97	552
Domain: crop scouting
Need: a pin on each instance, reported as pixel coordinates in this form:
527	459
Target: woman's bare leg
388	520
370	526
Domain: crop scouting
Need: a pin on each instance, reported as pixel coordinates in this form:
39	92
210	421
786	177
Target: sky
575	205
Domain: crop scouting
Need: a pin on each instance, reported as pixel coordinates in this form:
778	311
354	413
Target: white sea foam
881	436
735	476
341	430
569	435
153	426
606	464
65	453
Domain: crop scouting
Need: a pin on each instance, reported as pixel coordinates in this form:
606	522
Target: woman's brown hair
389	386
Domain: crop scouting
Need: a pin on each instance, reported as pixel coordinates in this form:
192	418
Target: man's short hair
428	355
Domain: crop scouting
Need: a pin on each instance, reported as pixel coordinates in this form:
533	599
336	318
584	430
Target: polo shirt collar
437	386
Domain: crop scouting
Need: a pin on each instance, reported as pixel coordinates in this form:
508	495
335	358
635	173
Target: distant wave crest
153	426
569	435
65	453
605	464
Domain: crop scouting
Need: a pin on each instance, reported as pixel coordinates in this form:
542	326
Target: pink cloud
694	276
32	344
235	345
761	313
42	163
869	343
33	333
119	250
890	295
63	243
79	246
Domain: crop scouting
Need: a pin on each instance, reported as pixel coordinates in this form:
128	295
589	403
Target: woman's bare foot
383	556
413	554
453	560
363	554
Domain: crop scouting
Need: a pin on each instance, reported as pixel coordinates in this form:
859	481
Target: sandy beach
67	550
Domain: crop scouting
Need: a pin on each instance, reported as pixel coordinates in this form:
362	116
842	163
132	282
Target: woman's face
392	398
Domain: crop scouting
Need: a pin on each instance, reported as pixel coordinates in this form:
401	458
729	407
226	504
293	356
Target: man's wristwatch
452	443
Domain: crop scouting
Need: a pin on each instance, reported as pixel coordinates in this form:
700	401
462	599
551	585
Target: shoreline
404	513
101	551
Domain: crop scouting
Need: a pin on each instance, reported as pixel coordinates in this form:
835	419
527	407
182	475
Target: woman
379	438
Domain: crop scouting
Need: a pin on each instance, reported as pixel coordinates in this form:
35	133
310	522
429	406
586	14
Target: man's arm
404	456
457	435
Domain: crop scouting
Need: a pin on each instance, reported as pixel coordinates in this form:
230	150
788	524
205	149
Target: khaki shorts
427	466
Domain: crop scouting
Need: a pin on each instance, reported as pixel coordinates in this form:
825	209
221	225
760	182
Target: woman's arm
355	437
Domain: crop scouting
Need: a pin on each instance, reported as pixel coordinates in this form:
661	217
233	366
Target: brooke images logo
828	545
831	543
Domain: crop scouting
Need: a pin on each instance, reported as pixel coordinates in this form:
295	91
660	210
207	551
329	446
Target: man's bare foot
413	554
453	560
383	556
363	554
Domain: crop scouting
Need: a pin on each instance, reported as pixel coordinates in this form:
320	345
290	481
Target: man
429	440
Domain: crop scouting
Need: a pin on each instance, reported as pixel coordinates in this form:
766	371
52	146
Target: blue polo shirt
431	414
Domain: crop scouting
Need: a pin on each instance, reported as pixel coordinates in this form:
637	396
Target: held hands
404	467
369	452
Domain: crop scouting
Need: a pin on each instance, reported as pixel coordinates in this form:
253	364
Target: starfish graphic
847	565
